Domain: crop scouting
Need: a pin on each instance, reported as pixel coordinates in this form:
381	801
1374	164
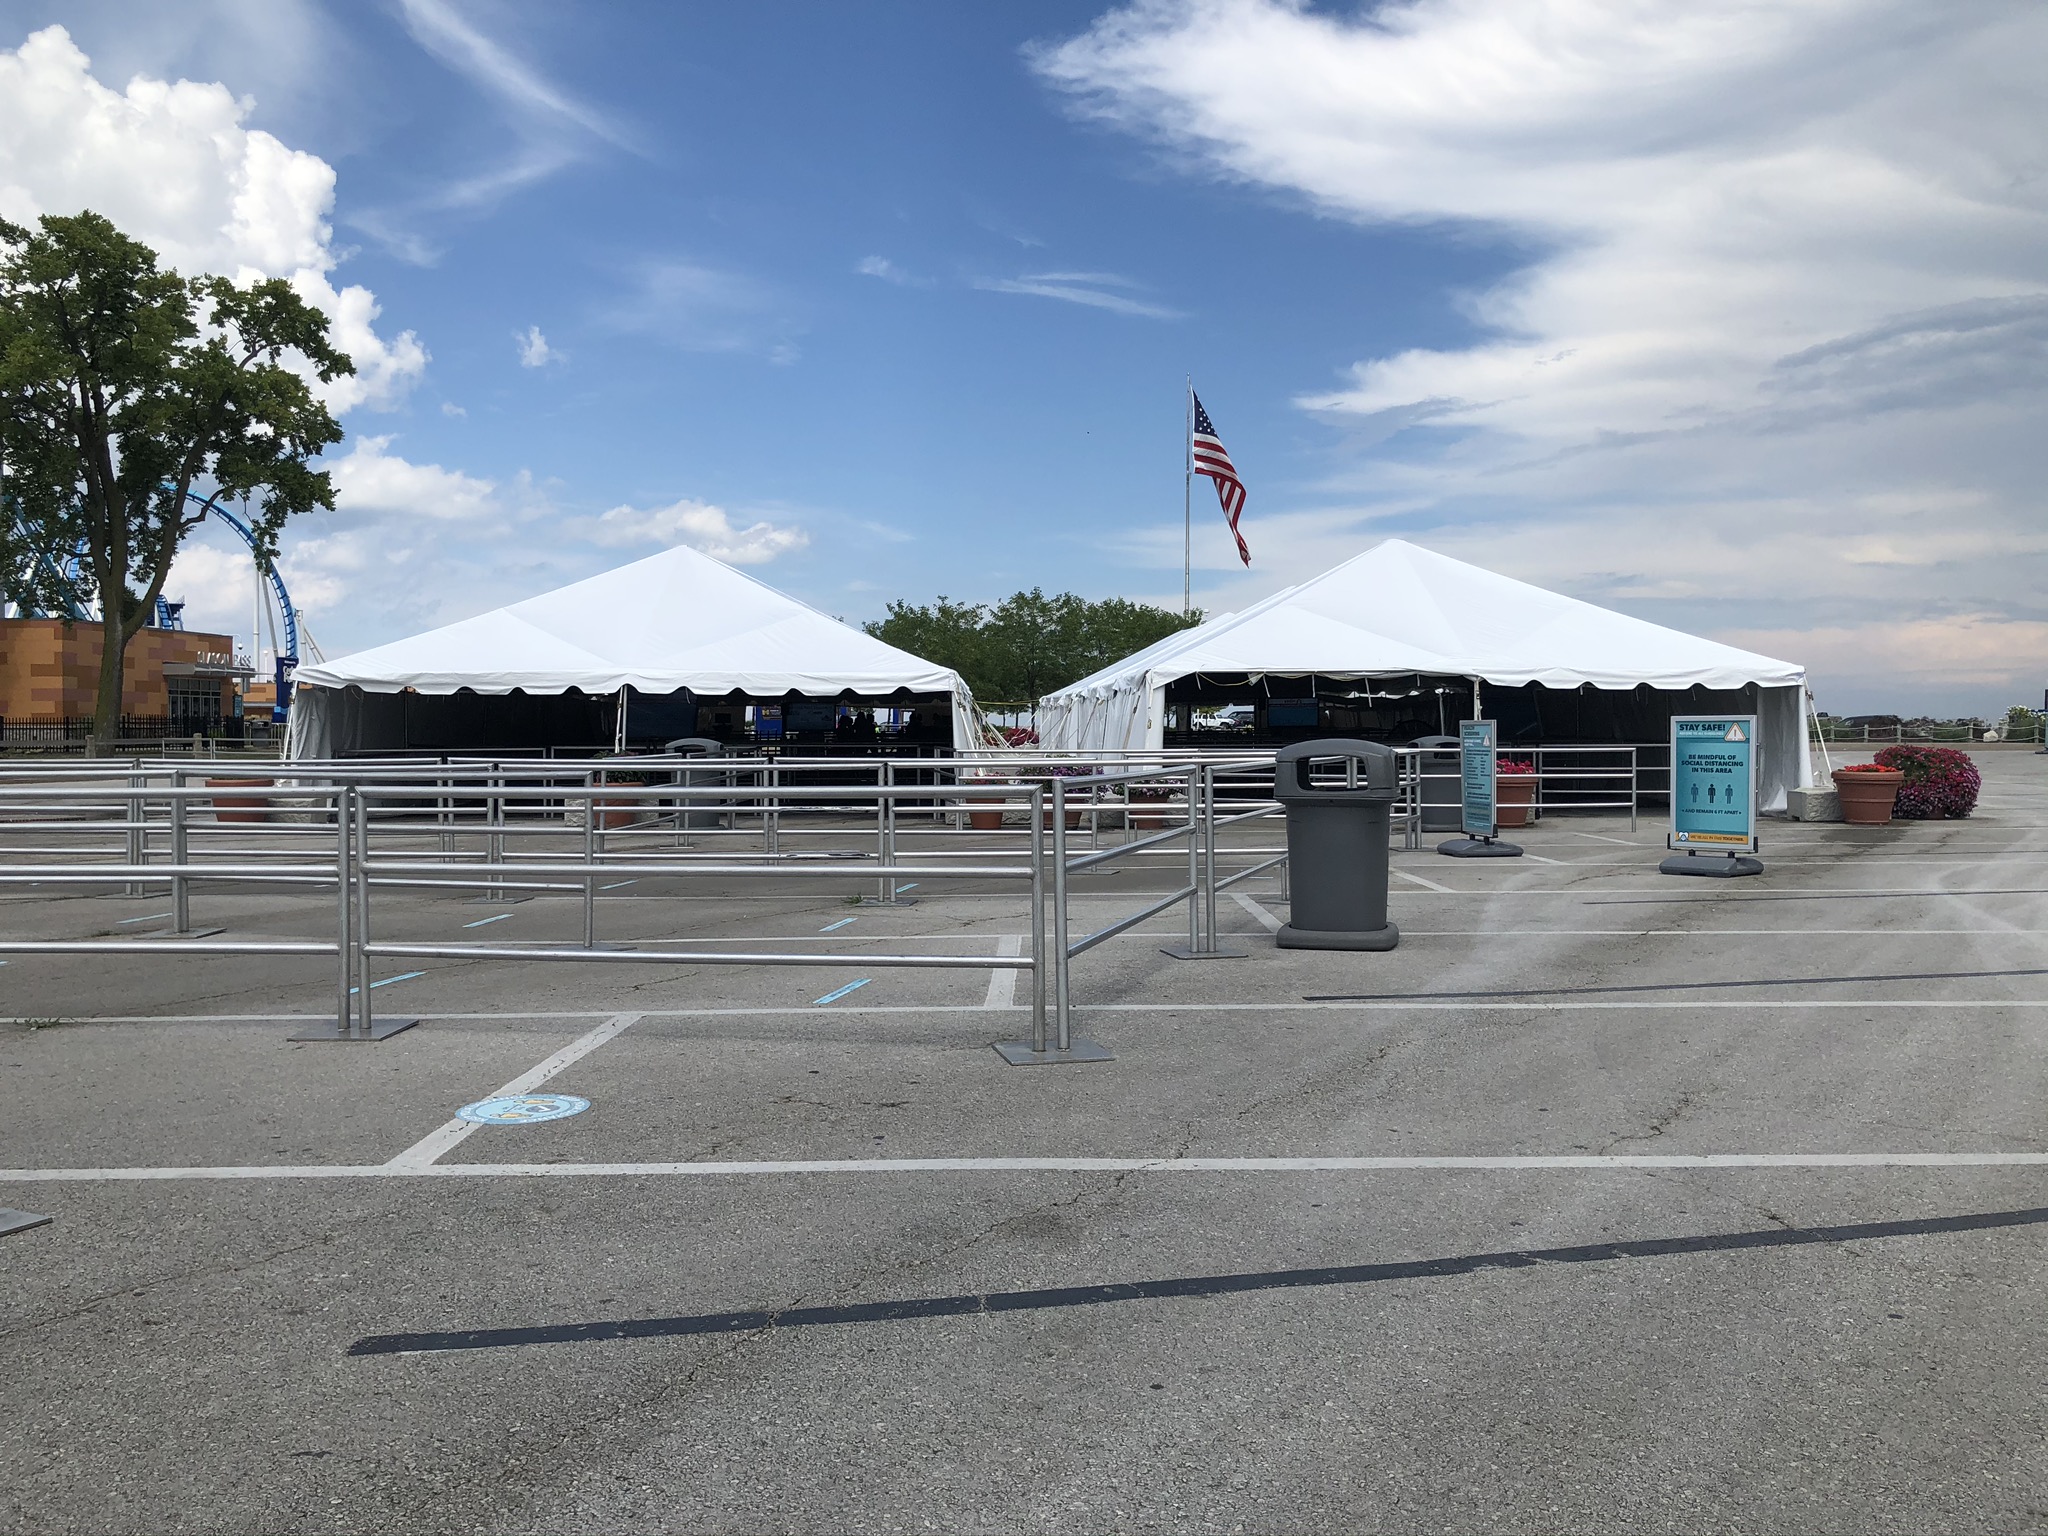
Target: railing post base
1183	952
382	1027
1018	1053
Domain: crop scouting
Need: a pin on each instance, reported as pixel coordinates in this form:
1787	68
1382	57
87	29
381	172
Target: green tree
947	632
122	388
1029	644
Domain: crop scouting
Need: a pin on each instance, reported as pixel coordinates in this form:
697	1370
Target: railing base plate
1182	952
20	1221
190	933
380	1029
1018	1053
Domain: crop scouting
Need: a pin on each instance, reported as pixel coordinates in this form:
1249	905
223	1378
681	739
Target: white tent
675	620
1401	610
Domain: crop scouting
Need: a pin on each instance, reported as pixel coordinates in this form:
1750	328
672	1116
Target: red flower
1940	781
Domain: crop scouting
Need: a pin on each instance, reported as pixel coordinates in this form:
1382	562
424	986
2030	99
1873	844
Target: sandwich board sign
1476	796
1713	794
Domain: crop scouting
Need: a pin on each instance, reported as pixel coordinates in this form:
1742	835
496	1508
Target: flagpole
1187	507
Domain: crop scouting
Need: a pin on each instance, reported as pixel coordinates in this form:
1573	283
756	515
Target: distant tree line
1029	644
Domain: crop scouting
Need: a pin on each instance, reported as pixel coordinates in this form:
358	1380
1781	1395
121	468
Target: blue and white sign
1476	776
1713	783
523	1109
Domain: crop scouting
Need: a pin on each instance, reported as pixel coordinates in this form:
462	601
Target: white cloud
443	31
1785	264
450	408
534	351
888	272
1080	288
700	525
173	165
699	309
370	480
549	127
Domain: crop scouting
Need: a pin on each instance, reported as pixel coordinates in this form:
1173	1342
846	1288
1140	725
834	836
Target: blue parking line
408	976
616	884
152	917
833	997
840	924
483	920
902	888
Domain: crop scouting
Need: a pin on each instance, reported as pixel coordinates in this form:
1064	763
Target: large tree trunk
106	714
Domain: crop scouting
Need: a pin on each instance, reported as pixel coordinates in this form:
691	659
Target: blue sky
896	299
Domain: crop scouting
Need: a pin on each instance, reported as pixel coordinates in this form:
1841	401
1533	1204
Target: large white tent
1399	610
676	620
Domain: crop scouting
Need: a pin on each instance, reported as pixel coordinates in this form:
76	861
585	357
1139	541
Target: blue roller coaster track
65	576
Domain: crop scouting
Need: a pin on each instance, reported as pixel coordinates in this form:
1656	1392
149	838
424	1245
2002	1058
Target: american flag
1213	460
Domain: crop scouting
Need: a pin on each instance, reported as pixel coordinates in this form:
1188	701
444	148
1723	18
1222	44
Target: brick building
50	671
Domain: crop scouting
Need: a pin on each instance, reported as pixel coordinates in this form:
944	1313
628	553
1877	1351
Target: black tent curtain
1399	709
356	723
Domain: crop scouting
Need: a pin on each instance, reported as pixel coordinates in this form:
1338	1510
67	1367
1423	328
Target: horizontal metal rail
832	867
1124	925
695	957
160	946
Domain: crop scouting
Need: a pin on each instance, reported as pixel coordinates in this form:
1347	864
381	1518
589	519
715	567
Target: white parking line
1431	885
1266	919
1515	1163
1002	985
444	1139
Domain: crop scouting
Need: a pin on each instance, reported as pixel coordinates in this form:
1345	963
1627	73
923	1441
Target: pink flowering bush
1940	782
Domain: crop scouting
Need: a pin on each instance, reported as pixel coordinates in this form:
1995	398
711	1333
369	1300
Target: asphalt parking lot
1608	1202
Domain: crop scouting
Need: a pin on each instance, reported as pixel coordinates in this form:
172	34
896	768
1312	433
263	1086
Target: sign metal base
12	1221
1713	866
1478	848
1182	952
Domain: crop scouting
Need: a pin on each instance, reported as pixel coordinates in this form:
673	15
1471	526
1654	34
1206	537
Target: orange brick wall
50	669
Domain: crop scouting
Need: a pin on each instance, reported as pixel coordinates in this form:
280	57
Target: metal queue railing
1566	778
530	827
562	826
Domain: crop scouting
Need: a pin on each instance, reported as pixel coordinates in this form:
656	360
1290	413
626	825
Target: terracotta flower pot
1513	795
240	807
1867	798
613	814
983	817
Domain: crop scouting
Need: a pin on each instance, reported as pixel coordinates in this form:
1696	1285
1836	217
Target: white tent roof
1401	608
679	619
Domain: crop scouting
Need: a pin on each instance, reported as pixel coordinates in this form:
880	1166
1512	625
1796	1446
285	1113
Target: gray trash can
1337	846
1442	769
699	813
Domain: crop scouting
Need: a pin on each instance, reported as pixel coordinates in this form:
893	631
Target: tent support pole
619	729
1476	715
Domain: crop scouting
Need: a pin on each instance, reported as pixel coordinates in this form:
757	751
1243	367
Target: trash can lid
1437	743
695	746
1379	773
